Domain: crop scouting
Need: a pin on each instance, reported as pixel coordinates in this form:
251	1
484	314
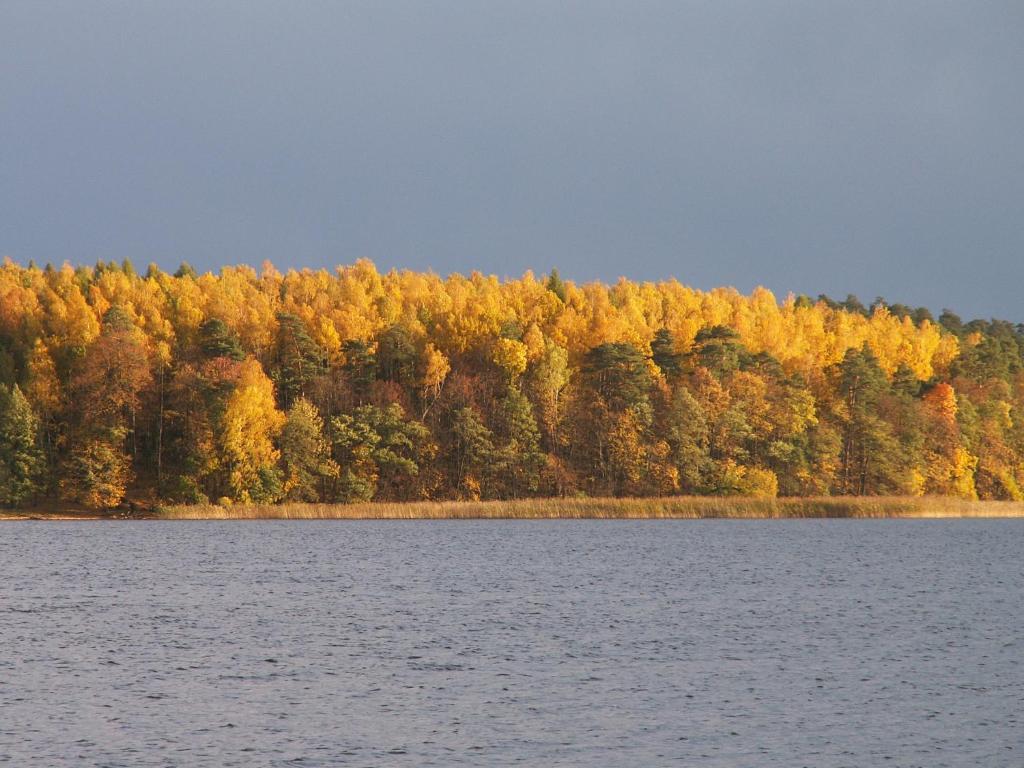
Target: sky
873	148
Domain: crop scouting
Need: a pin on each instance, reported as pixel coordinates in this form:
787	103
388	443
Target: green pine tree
21	460
521	458
305	453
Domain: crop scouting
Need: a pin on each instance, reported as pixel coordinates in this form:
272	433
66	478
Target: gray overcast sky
866	147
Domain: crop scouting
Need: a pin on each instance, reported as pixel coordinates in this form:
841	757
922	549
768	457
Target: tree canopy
354	385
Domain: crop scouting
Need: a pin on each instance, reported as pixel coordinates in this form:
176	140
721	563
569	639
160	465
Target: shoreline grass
48	514
675	507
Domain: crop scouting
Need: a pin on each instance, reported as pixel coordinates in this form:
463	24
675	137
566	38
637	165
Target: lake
489	643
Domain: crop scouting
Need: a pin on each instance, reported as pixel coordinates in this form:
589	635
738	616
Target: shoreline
667	508
674	508
43	514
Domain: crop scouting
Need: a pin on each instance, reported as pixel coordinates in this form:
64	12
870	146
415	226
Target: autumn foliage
258	387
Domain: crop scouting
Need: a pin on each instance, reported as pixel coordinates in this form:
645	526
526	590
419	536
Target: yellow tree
96	474
42	387
949	465
111	377
435	367
510	356
251	424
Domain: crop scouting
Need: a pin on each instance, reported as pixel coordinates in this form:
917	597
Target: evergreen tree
379	451
521	458
473	453
718	349
870	456
360	368
305	453
685	428
396	355
618	375
664	355
556	285
298	359
22	463
217	340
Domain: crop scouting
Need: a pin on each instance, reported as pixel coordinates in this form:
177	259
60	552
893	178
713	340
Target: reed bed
675	507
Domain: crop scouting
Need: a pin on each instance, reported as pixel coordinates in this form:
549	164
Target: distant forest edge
350	386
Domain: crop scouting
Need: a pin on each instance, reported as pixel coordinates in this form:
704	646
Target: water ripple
489	643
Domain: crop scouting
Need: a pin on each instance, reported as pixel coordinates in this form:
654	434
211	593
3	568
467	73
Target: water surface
488	643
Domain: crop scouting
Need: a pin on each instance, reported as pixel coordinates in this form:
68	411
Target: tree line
246	386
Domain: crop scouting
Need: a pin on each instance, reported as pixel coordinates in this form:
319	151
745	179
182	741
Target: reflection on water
568	643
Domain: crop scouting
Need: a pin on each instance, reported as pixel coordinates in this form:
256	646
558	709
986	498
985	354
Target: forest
120	387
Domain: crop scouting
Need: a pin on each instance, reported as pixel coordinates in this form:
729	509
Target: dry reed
675	507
